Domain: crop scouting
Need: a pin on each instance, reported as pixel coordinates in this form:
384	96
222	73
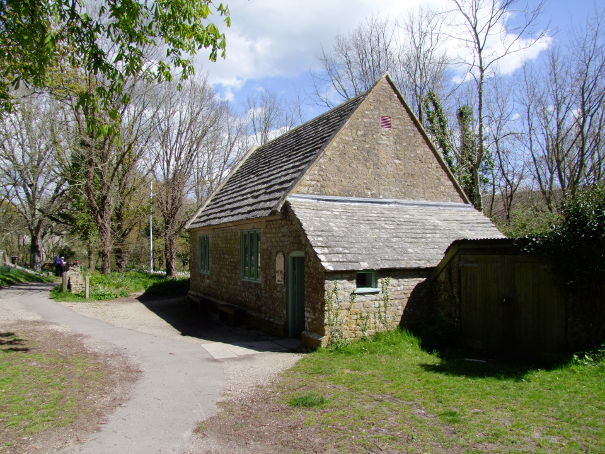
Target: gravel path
187	364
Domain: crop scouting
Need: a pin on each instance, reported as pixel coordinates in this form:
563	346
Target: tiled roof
261	181
357	234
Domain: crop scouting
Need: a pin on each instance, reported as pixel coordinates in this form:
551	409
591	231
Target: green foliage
36	33
577	242
119	285
309	400
10	275
437	125
593	357
466	171
528	221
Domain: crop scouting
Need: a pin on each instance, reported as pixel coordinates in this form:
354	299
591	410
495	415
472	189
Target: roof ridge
375	201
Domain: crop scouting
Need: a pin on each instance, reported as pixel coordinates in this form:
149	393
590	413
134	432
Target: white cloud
272	38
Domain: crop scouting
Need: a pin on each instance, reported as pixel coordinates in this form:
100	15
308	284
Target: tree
184	130
564	116
482	23
422	61
29	140
467	156
356	60
504	138
437	125
105	38
270	116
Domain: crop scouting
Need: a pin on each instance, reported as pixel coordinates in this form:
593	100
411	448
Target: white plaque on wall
279	268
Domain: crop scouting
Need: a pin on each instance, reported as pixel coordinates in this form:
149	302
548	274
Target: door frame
291	257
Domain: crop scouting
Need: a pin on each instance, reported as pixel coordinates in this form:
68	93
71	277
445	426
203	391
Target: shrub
577	241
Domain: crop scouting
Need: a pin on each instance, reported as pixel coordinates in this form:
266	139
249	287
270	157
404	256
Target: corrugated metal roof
356	234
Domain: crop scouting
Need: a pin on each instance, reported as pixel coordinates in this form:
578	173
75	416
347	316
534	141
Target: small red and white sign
385	122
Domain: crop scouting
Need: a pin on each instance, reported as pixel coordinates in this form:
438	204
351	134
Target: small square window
365	282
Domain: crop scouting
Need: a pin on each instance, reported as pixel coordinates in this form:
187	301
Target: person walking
57	263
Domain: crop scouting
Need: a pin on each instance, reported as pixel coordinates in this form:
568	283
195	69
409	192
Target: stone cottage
329	230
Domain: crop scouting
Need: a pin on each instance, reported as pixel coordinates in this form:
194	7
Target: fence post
87	286
64	282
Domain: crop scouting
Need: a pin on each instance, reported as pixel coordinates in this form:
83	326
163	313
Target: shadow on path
179	313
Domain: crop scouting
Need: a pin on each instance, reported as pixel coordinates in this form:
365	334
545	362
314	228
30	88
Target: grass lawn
118	285
48	381
388	395
10	275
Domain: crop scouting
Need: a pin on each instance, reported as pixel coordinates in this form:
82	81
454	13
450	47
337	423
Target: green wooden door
296	295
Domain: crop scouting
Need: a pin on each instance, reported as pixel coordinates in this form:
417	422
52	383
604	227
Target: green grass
10	275
40	388
388	392
309	400
119	285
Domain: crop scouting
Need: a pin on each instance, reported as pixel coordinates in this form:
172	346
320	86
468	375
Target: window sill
256	281
366	290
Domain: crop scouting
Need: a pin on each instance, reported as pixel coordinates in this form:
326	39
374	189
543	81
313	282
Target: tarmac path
185	365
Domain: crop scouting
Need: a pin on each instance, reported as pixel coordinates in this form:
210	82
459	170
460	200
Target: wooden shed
495	298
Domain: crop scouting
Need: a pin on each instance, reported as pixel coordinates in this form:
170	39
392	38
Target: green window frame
366	282
250	255
204	255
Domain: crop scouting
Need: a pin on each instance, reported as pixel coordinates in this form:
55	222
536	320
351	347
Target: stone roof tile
260	182
354	234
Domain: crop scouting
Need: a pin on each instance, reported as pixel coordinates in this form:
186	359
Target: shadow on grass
12	342
475	369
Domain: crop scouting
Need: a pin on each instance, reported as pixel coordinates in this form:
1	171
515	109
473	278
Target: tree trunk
105	234
121	258
35	250
170	253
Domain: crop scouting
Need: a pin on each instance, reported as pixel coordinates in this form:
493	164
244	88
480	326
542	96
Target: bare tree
269	116
482	23
421	62
188	124
412	53
503	136
224	147
29	178
356	61
564	116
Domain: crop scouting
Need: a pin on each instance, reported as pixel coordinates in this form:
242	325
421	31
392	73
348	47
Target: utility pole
151	227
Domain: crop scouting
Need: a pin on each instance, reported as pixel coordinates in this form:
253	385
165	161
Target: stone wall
365	160
265	301
349	315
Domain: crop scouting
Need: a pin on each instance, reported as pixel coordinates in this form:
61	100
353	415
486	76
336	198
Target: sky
274	44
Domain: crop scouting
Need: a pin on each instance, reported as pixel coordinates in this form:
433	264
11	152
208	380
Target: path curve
179	385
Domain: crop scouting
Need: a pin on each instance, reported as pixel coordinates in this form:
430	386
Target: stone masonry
365	160
264	301
349	315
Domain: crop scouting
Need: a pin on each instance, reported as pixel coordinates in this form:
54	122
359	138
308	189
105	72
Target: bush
577	241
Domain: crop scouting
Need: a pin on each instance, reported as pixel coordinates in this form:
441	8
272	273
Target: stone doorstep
220	351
